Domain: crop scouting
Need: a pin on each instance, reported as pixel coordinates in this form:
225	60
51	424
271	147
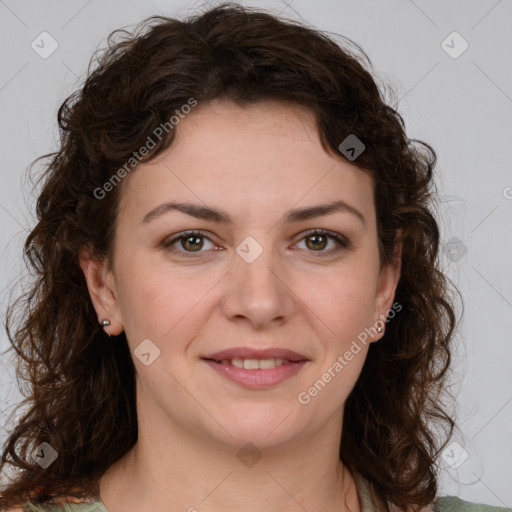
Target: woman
238	305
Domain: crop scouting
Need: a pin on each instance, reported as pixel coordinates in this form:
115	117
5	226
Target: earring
105	323
379	329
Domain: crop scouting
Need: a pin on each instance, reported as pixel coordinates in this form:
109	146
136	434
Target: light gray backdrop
450	65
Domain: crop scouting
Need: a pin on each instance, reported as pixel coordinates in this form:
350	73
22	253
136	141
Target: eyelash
342	242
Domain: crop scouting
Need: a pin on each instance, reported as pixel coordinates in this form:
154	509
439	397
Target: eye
188	242
316	240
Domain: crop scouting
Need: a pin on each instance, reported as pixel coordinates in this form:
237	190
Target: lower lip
257	379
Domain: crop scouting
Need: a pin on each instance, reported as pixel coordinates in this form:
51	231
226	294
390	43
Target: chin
263	425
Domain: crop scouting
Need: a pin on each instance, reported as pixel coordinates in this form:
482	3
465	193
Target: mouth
249	354
253	364
256	369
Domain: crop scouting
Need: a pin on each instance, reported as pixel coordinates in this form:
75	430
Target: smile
256	373
254	364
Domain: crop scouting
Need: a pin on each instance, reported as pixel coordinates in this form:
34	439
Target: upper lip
250	353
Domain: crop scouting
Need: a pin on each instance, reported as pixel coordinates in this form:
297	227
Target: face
246	264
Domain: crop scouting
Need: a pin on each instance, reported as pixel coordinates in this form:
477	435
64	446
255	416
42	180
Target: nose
258	292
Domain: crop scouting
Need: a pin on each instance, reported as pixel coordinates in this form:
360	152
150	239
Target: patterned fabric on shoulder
454	504
89	506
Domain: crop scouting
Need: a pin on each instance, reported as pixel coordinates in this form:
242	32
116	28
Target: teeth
251	364
254	364
265	364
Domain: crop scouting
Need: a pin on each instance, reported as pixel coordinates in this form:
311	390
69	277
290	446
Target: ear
386	287
102	290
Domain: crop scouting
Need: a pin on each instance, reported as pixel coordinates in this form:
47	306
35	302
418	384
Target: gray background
462	106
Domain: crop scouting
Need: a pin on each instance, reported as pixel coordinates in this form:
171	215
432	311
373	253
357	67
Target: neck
196	474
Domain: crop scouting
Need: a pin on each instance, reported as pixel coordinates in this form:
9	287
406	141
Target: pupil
195	241
317	240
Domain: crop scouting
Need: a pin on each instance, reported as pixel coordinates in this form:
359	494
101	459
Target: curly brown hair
82	389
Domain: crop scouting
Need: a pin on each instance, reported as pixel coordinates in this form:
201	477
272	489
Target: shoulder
454	504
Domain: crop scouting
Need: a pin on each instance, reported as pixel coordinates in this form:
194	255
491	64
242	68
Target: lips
256	368
257	378
260	354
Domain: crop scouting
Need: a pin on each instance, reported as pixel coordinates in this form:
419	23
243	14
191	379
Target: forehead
226	126
268	153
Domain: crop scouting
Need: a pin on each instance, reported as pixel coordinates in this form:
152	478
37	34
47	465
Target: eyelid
170	241
322	231
342	241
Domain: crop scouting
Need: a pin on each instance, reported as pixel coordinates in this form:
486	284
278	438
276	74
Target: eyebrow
219	216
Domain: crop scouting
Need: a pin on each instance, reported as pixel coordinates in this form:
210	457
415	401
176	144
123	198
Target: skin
255	163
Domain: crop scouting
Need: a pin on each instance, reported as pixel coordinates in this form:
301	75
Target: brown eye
323	242
189	244
316	242
192	243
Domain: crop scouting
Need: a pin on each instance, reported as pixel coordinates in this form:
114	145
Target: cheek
349	312
344	299
158	302
341	314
